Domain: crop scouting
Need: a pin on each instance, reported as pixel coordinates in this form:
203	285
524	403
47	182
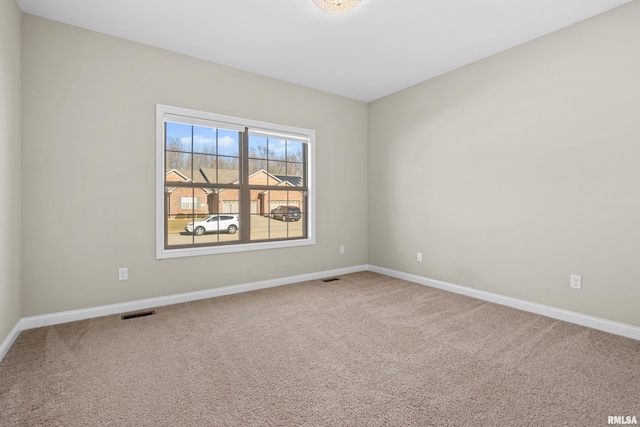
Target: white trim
160	165
201	120
544	310
10	339
106	310
272	134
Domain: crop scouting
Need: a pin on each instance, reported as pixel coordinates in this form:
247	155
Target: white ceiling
376	49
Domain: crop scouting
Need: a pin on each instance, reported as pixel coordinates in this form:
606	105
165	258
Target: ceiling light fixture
336	6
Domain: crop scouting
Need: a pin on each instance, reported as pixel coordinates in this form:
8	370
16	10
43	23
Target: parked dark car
286	213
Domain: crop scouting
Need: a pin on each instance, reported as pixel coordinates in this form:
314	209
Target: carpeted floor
366	350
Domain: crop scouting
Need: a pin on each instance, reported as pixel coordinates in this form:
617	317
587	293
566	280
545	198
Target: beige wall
514	172
508	175
89	160
10	200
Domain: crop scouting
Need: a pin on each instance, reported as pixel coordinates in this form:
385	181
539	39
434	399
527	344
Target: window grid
278	173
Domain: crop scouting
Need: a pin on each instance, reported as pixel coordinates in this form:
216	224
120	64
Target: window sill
162	253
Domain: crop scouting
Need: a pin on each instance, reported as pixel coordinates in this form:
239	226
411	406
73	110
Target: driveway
261	228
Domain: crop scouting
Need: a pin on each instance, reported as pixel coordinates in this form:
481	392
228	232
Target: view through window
229	183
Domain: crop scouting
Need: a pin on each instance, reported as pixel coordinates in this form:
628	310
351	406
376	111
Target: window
189	203
226	184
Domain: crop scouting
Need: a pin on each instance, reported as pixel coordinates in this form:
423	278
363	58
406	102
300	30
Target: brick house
203	201
180	201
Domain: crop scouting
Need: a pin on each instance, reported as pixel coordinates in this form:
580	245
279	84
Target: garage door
230	206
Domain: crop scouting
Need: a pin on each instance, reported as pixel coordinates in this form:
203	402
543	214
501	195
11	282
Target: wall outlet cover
576	281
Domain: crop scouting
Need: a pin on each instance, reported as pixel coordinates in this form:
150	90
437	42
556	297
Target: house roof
231	176
296	181
212	175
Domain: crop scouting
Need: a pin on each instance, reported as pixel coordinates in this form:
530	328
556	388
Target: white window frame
171	113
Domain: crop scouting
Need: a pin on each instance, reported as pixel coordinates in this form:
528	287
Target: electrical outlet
341	249
576	281
419	257
123	273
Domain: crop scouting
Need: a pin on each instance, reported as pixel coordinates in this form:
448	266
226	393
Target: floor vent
333	279
139	314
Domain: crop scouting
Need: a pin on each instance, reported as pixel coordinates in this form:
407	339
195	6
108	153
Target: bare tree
275	163
175	158
260	158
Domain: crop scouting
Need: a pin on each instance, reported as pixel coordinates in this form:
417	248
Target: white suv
213	223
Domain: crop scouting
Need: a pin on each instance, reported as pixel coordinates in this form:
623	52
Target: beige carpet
367	350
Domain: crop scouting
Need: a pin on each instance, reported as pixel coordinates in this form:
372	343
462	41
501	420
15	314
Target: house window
226	184
188	203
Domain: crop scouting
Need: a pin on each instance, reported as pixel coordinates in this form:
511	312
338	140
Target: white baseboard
544	310
106	310
10	339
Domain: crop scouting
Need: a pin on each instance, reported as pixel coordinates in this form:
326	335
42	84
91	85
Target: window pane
260	211
216	228
204	140
201	216
185	201
178	137
204	229
286	216
204	168
259	227
294	151
176	234
257	147
277	168
229	163
176	160
296	202
259	214
228	176
212	169
297	199
262	225
286	198
171	203
295	173
260	177
188	202
258	205
179	203
227	220
226	201
176	174
228	142
277	228
229	203
257	165
277	149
